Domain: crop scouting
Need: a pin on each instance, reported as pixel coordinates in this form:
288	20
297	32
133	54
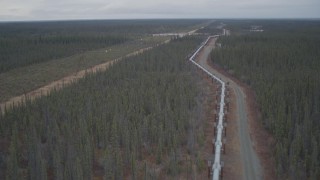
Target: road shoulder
262	139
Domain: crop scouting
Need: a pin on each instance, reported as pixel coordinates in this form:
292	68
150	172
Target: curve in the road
250	161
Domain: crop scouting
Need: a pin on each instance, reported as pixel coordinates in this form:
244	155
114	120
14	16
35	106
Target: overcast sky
16	10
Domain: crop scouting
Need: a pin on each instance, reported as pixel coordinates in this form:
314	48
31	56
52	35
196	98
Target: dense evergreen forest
27	43
282	66
108	124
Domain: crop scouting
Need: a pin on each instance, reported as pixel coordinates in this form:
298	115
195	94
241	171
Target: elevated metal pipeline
216	166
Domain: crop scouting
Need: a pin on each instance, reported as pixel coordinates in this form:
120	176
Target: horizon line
132	19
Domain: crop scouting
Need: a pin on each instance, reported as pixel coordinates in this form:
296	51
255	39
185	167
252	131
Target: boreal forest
281	64
151	113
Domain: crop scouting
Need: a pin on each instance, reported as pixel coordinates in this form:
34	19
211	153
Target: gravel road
250	160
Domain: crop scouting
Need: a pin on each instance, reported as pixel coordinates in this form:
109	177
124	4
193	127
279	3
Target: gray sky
12	10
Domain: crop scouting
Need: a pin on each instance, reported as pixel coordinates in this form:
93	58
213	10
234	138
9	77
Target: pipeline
216	166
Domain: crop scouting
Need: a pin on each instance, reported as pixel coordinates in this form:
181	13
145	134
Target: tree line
26	50
27	43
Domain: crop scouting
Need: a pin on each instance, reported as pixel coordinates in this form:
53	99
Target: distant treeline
100	26
282	66
112	124
23	50
213	28
27	43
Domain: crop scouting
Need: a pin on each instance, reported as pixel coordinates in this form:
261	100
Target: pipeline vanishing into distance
216	166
